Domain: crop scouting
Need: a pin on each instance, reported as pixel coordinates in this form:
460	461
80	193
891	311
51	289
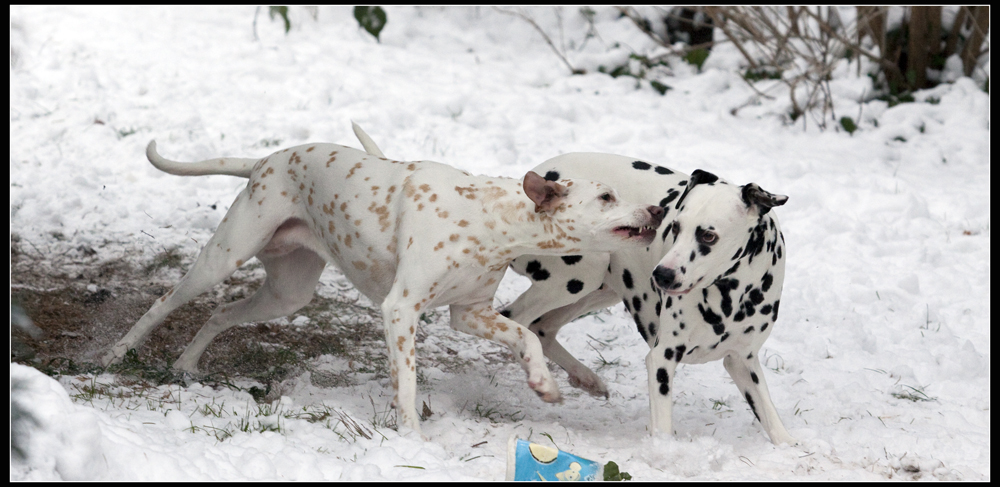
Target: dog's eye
610	198
708	238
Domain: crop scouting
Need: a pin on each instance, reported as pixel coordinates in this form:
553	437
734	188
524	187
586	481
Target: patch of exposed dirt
82	306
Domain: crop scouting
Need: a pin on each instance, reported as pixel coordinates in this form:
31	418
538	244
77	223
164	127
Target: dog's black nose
664	277
657	212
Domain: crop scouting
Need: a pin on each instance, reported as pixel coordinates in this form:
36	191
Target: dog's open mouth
644	233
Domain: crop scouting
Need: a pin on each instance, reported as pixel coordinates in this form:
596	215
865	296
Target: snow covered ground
879	365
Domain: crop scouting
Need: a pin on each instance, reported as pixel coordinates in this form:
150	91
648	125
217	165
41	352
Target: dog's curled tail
230	166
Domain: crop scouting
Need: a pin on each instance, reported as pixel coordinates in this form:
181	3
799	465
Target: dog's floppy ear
702	177
755	196
697	177
547	195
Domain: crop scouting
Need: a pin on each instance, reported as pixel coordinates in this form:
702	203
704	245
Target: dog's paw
590	383
546	388
114	355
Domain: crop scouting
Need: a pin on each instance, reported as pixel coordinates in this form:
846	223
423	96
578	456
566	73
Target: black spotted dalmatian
707	288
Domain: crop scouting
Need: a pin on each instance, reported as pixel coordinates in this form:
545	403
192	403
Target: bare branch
545	36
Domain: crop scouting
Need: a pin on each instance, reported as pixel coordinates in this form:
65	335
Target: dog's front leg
483	321
661	363
749	378
400	318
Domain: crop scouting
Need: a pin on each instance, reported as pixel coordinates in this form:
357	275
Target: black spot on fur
534	268
763	327
766	281
652	328
766	309
668	354
775	316
680	352
756	296
755	244
659	304
748	330
710	317
752	408
662	170
571	259
552	176
642	329
641	165
541	333
725	286
505	313
536	320
627	279
672	194
753	377
636	303
664	379
574	286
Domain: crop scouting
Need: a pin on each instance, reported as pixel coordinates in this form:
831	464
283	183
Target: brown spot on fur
310	149
550	244
439	246
351	172
454	237
463	223
359	265
239	263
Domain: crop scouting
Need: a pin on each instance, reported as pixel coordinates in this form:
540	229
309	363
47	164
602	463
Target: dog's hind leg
749	378
229	248
290	283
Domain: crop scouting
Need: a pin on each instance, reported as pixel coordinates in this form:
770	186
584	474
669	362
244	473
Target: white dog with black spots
707	288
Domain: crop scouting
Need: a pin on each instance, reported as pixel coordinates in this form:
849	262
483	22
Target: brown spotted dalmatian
409	235
707	288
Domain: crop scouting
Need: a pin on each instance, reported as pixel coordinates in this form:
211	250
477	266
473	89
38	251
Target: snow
888	239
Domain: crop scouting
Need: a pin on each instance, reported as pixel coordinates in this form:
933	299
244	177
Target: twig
716	14
255	13
544	36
